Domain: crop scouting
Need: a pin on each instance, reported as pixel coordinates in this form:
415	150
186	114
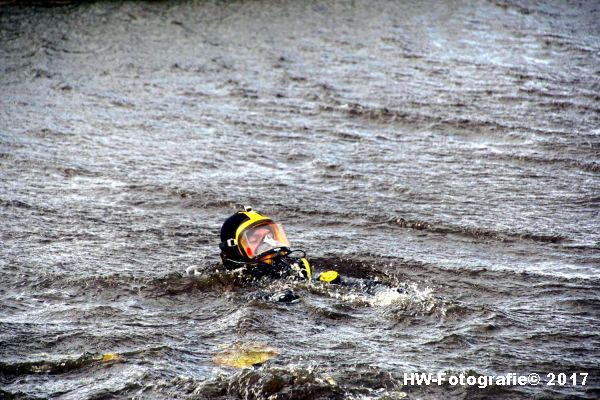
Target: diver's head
248	236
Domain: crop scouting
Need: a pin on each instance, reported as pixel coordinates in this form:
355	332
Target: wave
441	227
472	232
471	125
405	277
591	166
285	382
55	366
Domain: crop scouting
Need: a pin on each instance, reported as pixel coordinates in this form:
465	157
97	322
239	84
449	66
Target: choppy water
450	148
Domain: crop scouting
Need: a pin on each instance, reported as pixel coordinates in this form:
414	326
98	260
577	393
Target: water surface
451	149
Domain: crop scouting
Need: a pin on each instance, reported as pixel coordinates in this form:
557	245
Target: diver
258	246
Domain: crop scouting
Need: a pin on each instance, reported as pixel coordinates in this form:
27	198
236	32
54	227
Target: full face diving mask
258	240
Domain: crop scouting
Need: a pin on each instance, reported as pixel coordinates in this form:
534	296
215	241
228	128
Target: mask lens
262	238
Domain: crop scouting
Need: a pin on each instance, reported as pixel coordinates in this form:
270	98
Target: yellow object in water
110	357
328	276
245	355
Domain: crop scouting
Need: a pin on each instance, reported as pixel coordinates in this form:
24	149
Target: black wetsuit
279	267
288	268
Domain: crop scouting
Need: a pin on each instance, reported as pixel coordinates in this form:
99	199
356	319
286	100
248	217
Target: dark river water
448	148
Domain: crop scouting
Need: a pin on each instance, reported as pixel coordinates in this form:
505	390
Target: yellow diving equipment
329	277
